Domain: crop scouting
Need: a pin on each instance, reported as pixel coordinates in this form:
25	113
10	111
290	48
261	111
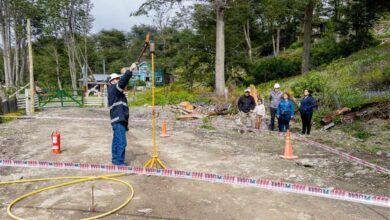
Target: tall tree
5	30
307	32
219	6
220	48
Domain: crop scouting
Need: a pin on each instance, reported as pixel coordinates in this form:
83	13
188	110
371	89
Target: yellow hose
79	179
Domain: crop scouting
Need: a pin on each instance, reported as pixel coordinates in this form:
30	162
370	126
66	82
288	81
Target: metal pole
31	68
153	104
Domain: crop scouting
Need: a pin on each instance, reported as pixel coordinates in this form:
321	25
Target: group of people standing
281	107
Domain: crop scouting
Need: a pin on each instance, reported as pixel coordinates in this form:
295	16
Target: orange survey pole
155	162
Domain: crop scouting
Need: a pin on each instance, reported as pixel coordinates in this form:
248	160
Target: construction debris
330	118
191	116
188	111
187	105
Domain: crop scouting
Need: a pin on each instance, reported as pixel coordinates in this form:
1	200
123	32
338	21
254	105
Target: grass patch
170	96
357	130
364	135
206	124
13	114
370	149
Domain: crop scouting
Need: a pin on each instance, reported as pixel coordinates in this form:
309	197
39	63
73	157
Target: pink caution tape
346	156
210	177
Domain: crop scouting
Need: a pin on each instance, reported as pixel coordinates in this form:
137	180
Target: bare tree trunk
56	56
248	39
277	41
5	38
23	61
220	49
17	55
308	19
273	45
72	63
70	41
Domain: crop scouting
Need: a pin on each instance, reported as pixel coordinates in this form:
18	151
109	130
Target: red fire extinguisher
56	143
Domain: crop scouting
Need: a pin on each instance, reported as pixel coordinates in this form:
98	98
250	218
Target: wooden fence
21	101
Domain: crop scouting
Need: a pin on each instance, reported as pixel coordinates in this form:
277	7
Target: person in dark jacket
274	99
285	113
308	103
119	112
246	104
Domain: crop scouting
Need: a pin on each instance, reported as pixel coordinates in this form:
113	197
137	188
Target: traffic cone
164	129
288	149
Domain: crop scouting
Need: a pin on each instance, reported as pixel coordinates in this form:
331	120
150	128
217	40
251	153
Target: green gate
61	98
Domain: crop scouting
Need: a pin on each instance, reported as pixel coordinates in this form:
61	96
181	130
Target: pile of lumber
188	111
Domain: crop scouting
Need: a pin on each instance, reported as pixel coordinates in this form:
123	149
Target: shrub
314	82
275	68
327	49
296	45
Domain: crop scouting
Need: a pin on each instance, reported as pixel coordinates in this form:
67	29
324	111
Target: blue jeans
118	144
284	121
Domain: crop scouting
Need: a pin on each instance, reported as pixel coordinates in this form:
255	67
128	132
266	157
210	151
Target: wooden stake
31	68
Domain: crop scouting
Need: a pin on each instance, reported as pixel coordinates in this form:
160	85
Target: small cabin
96	84
145	74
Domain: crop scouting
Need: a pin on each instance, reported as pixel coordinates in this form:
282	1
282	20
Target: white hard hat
247	90
114	76
276	86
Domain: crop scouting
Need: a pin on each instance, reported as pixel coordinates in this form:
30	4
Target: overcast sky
111	14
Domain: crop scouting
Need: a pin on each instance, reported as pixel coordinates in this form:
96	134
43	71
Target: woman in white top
260	113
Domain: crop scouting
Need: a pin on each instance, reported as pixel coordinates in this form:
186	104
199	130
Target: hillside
362	78
361	82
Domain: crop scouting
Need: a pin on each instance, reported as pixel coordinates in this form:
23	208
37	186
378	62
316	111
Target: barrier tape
304	189
347	156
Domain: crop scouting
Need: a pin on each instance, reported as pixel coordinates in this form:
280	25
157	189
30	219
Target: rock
145	211
307	162
379	153
358	168
388	154
363	172
293	175
349	175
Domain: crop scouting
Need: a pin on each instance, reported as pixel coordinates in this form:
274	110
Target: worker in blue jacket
119	112
308	104
285	113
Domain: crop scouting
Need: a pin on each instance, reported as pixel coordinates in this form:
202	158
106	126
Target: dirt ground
224	151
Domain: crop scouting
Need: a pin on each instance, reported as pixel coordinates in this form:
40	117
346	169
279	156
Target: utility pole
31	68
104	66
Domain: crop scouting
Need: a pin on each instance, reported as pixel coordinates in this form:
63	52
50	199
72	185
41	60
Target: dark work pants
119	144
284	121
306	122
273	115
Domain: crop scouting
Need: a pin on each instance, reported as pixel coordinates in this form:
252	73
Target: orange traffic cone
288	150
164	129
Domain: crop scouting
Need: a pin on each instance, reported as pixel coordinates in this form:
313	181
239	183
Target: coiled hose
76	179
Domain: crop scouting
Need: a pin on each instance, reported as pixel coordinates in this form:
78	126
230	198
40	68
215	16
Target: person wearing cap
119	112
274	98
246	104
